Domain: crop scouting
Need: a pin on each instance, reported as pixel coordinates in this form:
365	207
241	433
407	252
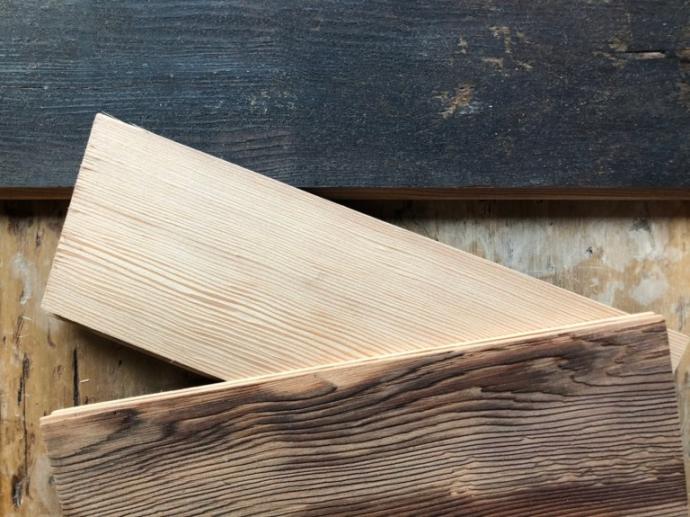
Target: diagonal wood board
234	274
573	421
421	98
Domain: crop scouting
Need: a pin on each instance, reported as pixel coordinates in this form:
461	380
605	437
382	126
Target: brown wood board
396	193
575	421
233	274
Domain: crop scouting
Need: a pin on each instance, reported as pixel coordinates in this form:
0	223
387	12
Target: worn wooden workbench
634	255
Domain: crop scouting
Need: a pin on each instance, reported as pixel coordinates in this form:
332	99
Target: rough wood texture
165	247
358	94
573	422
639	261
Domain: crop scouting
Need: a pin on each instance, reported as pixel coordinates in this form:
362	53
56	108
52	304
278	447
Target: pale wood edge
682	363
425	193
681	374
678	347
627	321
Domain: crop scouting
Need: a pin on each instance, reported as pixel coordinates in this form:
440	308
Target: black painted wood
347	93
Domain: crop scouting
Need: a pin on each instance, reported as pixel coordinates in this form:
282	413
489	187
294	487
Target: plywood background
634	255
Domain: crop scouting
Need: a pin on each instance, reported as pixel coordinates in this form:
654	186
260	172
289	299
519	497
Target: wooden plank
579	421
393	94
164	246
618	253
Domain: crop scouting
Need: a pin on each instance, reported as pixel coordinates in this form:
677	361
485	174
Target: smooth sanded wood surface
389	93
233	274
570	422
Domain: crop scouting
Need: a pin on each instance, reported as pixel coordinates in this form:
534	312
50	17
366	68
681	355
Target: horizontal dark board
440	95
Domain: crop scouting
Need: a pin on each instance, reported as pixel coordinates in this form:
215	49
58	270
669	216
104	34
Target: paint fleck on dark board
358	94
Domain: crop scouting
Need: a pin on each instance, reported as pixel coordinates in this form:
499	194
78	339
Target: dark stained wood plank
325	94
571	422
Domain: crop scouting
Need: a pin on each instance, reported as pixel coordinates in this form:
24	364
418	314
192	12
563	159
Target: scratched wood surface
389	93
580	421
633	255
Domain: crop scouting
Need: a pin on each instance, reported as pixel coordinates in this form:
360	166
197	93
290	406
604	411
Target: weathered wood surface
358	94
164	246
574	422
634	256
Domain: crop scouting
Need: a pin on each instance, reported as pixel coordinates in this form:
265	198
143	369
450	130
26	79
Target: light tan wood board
650	239
574	422
235	275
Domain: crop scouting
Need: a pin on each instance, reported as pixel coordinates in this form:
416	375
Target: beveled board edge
627	321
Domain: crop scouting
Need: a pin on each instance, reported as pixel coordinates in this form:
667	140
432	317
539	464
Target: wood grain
578	421
388	93
617	253
233	274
